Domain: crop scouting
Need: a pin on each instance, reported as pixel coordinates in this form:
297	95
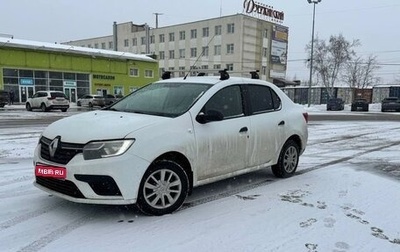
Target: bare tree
329	59
359	73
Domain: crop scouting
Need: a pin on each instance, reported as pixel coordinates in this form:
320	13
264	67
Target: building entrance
25	92
70	93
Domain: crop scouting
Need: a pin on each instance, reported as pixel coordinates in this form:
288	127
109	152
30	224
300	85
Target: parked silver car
91	100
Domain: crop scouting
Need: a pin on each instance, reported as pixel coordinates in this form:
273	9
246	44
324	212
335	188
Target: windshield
163	99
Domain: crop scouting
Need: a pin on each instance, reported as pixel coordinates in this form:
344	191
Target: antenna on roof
201	54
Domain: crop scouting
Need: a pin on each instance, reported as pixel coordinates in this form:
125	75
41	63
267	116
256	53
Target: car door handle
281	123
244	129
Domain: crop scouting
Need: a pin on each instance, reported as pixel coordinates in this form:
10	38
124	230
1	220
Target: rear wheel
163	188
90	105
28	107
43	107
288	160
64	110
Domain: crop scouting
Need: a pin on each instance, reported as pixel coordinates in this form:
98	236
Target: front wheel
28	107
163	188
288	160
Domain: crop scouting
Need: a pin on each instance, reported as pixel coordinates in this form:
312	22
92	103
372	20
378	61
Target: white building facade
239	43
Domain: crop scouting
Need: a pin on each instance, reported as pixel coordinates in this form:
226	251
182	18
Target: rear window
55	95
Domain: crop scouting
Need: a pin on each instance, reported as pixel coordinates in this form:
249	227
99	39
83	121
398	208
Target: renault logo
53	146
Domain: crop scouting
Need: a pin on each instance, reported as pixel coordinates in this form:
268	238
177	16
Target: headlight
104	149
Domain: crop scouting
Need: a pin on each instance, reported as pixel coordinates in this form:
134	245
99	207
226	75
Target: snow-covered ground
345	197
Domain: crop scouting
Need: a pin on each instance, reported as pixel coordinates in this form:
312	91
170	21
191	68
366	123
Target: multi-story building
239	43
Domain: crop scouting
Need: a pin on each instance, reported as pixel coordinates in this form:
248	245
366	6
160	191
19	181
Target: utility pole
157	14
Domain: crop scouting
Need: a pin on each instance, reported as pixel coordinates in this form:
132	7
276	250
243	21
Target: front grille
62	186
64	153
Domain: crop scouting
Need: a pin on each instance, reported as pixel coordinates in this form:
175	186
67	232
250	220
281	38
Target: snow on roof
45	46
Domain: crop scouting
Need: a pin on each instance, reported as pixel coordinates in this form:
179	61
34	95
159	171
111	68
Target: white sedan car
152	147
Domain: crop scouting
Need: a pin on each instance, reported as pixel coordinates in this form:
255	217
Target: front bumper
111	181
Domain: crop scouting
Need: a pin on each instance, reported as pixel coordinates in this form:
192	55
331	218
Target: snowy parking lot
345	197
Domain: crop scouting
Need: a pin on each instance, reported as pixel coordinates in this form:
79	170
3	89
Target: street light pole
314	2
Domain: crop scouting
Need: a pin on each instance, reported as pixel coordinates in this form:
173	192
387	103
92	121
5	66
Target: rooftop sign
262	11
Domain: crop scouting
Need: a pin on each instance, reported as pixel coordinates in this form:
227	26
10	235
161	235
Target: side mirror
209	116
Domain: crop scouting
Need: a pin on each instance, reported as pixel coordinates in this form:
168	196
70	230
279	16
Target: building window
181	71
265	52
193	33
110	45
89	46
265	33
172	69
143	40
217	66
205	32
134	72
134	41
218	30
217	50
181	53
152	39
103	45
193	52
182	35
205	51
172	36
162	38
230	49
96	45
126	42
171	54
231	28
148	73
229	67
162	55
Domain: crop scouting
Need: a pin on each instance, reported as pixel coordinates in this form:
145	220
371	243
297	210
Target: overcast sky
374	23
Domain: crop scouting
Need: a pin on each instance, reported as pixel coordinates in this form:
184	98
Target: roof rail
224	74
166	75
254	74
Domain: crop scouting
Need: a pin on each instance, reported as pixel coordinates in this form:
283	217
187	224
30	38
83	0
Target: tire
90	105
28	107
63	110
287	161
163	189
78	103
43	107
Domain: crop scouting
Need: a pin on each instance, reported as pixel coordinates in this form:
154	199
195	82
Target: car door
221	145
36	99
267	124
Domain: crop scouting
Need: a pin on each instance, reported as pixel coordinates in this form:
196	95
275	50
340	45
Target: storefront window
26	73
10	72
41	74
69	76
55	75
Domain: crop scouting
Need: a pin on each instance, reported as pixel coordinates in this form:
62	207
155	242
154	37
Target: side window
276	100
262	99
228	101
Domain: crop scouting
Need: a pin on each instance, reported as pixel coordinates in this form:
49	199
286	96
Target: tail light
305	115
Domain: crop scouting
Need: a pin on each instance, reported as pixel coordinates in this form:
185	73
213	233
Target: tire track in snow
30	215
347	158
56	234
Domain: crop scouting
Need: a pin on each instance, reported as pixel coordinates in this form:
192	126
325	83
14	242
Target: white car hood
99	125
